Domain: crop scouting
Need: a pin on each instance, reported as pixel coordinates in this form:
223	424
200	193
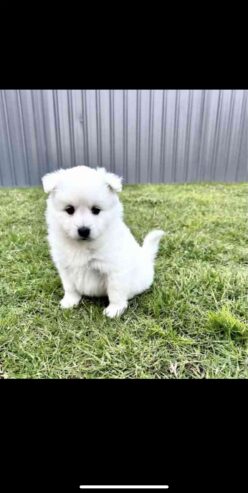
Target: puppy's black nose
84	232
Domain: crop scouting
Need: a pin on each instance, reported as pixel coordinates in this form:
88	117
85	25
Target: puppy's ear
113	181
51	180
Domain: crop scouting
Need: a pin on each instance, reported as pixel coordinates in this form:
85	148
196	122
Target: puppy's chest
77	262
87	263
86	267
88	280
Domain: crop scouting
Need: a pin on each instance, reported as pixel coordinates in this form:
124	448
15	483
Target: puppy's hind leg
117	299
71	297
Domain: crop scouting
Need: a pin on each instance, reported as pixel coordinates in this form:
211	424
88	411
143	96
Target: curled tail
151	243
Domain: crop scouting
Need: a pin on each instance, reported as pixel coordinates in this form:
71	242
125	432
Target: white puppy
93	250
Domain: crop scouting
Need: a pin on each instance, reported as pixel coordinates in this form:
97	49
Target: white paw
69	301
114	310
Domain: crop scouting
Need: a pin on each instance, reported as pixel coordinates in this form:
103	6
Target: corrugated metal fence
143	135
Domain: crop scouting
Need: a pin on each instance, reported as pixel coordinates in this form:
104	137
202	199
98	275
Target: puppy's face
83	201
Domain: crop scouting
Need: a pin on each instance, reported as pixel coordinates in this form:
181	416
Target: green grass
192	323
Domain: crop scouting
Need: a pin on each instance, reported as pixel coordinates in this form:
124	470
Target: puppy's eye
95	210
70	209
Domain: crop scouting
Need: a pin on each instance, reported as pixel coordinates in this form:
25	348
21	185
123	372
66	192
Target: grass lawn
192	323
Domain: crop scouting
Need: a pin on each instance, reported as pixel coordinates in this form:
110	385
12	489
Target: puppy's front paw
114	310
70	300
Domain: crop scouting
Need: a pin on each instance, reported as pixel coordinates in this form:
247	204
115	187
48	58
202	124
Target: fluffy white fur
110	261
